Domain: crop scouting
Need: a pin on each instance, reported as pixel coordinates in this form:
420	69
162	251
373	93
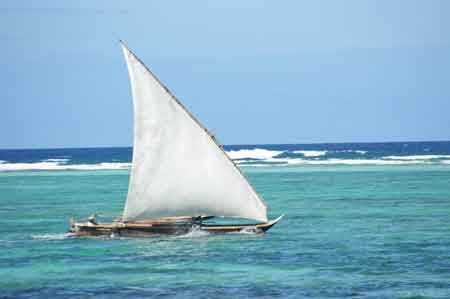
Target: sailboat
180	175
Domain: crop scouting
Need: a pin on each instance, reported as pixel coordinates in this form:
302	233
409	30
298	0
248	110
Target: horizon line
236	144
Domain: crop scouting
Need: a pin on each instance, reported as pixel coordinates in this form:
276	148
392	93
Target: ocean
362	220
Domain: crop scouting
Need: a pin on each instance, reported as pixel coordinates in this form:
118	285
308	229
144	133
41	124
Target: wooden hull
165	227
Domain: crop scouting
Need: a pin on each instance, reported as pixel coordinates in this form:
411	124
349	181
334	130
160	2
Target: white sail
178	168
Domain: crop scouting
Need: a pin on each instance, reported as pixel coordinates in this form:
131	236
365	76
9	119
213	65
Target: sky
252	72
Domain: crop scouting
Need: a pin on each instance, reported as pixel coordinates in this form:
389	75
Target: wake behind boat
180	175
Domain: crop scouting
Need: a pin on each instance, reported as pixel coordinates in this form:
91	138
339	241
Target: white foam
56	160
288	161
59	166
100	166
51	237
255	165
369	162
311	153
353	151
446	161
257	153
2	161
199	233
195	233
248	231
417	157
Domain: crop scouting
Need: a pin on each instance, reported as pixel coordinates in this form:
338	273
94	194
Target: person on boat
93	219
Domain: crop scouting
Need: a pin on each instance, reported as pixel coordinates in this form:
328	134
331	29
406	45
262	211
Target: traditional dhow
180	176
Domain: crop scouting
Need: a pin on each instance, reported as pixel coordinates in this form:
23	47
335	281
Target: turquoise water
357	231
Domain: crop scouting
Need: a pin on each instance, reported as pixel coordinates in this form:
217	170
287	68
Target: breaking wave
311	153
250	157
353	151
417	157
62	166
334	161
62	160
257	153
331	157
343	162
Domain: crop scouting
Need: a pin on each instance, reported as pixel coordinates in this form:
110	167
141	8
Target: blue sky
251	71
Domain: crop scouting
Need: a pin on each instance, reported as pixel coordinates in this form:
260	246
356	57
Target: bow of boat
227	228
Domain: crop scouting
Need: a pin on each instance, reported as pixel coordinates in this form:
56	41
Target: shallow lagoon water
350	231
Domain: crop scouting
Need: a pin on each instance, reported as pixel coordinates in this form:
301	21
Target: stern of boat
73	228
89	228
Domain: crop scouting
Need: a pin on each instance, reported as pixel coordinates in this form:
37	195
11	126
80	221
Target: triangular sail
178	169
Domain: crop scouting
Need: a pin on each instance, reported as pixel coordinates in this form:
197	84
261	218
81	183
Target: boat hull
152	228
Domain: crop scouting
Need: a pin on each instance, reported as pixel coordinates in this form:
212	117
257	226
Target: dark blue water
359	151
